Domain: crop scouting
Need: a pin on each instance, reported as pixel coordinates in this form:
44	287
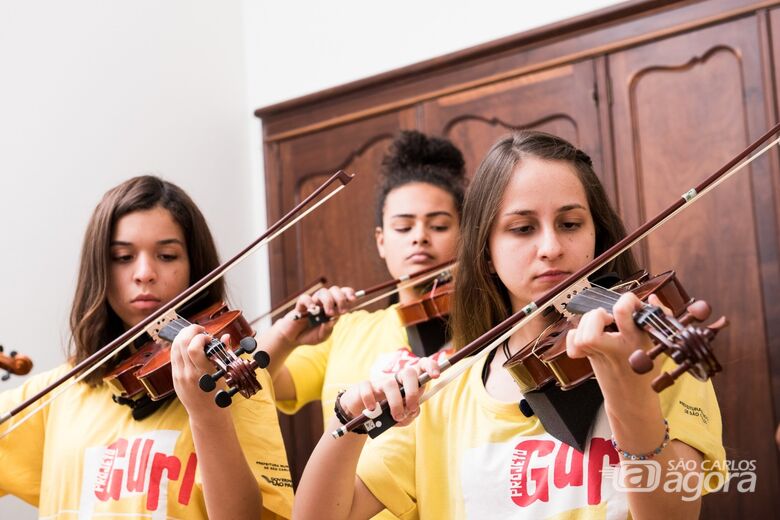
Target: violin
317	317
14	363
544	360
148	369
433	304
425	318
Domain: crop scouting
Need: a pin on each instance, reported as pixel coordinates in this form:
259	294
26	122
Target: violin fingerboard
170	330
588	300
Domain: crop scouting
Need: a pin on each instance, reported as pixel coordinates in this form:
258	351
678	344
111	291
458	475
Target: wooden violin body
148	369
426	318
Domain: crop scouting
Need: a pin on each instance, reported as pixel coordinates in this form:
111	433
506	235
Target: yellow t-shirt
469	455
362	345
83	456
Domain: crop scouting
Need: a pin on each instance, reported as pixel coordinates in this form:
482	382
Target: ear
379	236
491	268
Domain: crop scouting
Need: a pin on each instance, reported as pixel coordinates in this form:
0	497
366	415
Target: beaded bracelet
648	455
342	416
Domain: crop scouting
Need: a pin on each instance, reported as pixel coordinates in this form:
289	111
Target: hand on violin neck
188	364
326	305
608	350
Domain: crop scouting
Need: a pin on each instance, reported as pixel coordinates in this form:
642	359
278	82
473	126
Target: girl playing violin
417	222
535	214
84	455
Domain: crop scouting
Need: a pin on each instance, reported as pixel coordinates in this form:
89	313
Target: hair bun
414	151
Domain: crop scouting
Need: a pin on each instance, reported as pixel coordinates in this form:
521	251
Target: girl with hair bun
418	207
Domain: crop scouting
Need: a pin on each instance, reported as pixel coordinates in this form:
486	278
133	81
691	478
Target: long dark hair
481	300
93	322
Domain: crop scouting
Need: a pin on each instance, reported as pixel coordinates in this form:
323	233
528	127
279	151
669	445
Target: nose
144	269
550	246
420	234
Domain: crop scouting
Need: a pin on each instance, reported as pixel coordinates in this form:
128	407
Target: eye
441	228
521	230
122	259
402	229
168	257
571	226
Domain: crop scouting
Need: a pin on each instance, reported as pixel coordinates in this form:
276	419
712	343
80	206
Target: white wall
95	91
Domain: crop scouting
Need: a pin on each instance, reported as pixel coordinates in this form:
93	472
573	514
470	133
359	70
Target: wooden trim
593	22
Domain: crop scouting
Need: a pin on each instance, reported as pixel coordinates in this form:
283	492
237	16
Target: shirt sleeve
387	468
692	410
257	428
21	451
307	365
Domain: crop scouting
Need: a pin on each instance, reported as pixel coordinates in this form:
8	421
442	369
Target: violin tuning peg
13	353
712	329
699	310
640	362
6	376
1	348
208	382
261	359
667	379
247	344
224	398
662	382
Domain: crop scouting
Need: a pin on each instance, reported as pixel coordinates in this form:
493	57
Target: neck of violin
592	298
172	328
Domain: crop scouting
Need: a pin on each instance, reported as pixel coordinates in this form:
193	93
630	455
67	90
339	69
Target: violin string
219	350
660	323
605	296
608	298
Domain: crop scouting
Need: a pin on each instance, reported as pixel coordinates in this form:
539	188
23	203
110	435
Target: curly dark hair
415	157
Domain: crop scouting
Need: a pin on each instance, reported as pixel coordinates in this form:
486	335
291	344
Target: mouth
145	301
419	257
552	275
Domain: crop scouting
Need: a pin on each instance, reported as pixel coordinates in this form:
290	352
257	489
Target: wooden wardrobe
660	94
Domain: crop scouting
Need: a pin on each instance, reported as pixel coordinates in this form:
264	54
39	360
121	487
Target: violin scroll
14	363
688	345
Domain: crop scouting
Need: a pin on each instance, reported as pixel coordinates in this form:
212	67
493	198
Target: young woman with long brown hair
535	214
85	455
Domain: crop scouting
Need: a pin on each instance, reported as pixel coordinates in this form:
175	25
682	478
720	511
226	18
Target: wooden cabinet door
337	240
682	107
562	101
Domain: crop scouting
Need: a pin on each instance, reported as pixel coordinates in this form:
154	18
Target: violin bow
561	293
157	318
310	289
397	285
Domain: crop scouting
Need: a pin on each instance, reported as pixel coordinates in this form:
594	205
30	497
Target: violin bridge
154	328
563	299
